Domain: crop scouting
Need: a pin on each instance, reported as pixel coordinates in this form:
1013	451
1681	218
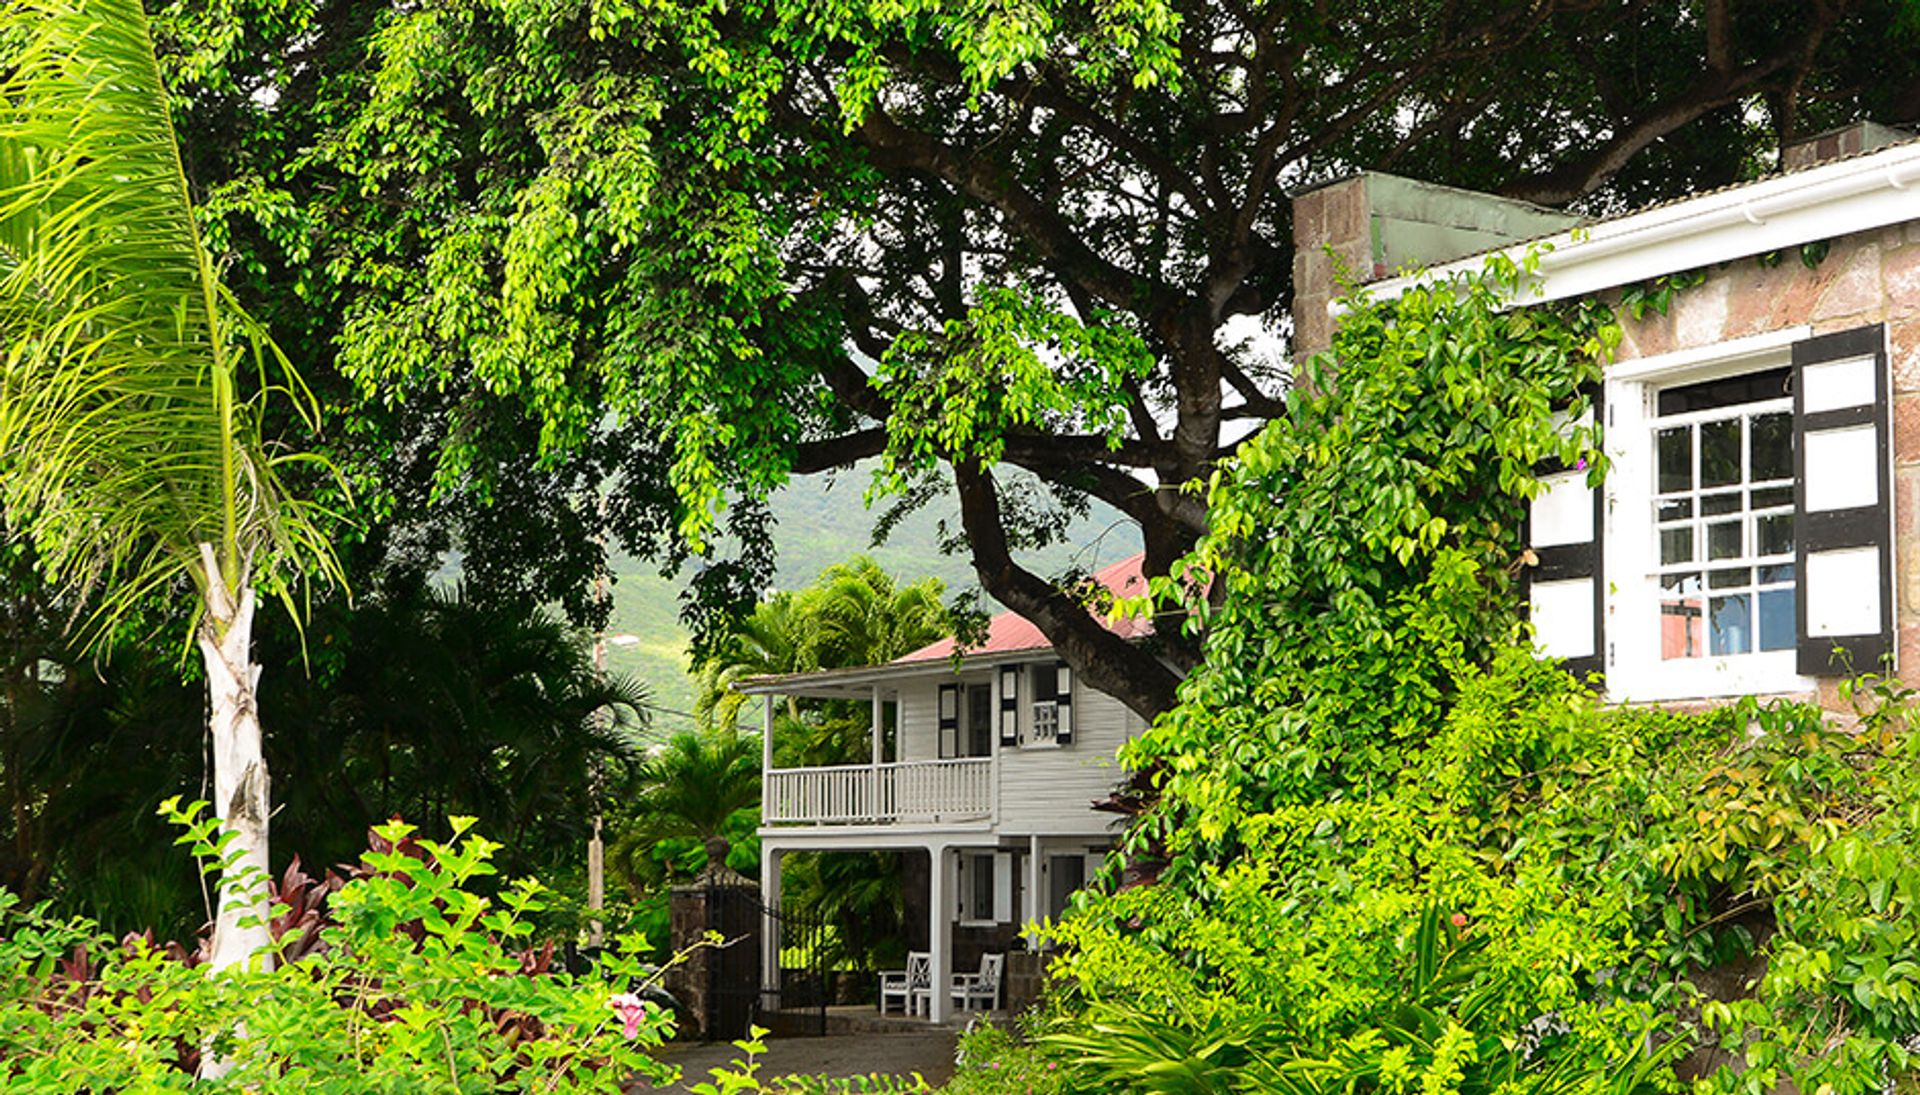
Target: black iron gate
792	1001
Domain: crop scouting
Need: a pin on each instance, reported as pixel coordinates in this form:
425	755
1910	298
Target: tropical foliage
643	239
404	979
132	402
854	613
698	802
1393	850
421	703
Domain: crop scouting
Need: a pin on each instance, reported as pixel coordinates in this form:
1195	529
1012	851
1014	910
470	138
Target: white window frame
969	865
1635	670
1030	738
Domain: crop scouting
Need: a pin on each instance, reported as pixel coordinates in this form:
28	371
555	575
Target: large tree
696	248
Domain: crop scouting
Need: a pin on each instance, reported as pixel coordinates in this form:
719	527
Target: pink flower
1459	920
631	1010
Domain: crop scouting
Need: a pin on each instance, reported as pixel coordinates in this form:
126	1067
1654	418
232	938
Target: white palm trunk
240	796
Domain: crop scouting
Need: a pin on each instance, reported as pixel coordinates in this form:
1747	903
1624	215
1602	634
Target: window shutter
949	715
1843	514
1566	590
1003	887
1063	700
1009	705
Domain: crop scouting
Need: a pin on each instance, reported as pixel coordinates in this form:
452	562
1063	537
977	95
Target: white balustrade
863	794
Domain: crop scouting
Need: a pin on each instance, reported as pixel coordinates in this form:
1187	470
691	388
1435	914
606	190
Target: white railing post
949	790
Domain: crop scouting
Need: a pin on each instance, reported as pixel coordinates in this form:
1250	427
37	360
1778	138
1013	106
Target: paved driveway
928	1052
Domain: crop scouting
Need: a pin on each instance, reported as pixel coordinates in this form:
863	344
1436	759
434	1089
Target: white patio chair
904	985
980	988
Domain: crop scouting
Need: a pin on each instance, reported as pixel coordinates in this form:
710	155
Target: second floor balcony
932	792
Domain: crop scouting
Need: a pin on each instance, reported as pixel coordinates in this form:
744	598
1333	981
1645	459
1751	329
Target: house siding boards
1050	790
1042	789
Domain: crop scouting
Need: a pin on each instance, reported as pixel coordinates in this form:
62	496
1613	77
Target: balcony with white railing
932	792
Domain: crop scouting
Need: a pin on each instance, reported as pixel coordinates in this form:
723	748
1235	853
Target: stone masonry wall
1333	218
1864	279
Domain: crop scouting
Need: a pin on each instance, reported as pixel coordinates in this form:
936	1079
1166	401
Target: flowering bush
992	1060
407	981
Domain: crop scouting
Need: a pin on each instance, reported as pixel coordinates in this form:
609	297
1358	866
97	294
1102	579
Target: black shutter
1063	702
1843	513
1565	591
1009	705
949	715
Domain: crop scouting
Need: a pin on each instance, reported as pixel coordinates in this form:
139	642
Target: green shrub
992	1060
416	983
1392	850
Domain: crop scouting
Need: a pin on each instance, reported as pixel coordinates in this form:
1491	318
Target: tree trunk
239	769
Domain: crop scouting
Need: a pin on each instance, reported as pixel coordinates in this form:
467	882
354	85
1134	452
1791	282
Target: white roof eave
1838	199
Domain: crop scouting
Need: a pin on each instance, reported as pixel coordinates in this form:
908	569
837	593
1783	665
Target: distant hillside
821	521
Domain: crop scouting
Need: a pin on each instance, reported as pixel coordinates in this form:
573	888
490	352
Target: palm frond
125	436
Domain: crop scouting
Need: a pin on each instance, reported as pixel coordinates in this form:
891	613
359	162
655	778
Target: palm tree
690	788
133	461
855	613
447	703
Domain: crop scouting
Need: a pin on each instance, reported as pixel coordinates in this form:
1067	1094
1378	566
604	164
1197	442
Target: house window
966	716
1065	875
985	887
1050	719
1723	516
1742	540
978	739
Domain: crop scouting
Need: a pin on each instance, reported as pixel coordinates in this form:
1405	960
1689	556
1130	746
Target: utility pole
596	845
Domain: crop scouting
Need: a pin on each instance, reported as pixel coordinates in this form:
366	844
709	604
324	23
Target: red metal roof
1010	631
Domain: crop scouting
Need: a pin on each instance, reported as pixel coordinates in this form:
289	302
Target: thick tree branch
829	453
1715	89
1116	666
897	147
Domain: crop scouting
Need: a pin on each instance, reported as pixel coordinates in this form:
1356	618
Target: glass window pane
1772	496
1685	583
1779	572
1776	619
1676	545
1773	535
1729	579
1676	459
1772	440
1730	626
1676	510
1720	445
1723	540
1728	502
1683	629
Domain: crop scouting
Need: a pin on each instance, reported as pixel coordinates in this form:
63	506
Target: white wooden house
995	763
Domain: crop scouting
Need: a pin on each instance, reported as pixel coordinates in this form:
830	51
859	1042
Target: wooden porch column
940	931
1033	879
770	926
879	719
766	733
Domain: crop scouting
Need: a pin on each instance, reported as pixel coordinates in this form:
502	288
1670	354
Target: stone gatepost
718	985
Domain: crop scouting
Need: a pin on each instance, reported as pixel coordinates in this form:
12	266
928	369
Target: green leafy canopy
133	383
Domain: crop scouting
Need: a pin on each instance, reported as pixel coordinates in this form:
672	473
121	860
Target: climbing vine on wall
1392	849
